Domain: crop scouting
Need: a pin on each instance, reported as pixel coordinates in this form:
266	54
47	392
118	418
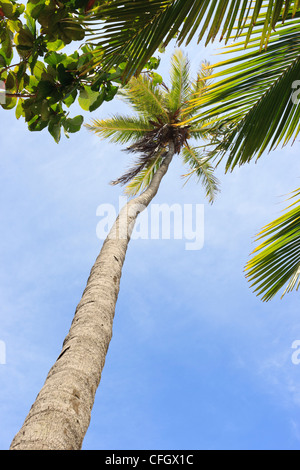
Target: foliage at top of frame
42	78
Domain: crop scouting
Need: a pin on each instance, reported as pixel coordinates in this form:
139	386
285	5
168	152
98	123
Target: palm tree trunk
60	416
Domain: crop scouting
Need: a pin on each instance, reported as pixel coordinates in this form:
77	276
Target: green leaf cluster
42	80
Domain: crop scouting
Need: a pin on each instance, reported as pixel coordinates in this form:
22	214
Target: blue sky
197	361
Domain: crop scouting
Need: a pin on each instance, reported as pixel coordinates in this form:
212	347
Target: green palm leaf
203	170
132	30
144	178
197	89
124	29
255	98
276	261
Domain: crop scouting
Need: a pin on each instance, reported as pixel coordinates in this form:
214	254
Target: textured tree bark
60	416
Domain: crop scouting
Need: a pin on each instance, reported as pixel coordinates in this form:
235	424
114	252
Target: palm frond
276	261
203	170
197	89
132	30
142	162
141	181
128	31
255	98
150	146
120	129
145	97
294	281
158	126
198	131
180	81
213	135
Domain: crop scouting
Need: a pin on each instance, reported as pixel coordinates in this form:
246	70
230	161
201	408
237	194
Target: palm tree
276	261
60	416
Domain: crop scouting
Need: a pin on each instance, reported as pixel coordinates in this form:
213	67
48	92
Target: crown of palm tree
160	113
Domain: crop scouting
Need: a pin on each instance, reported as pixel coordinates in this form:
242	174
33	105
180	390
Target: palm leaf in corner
276	261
